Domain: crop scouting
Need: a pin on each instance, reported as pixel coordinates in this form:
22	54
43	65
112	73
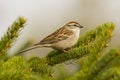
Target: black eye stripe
73	25
76	24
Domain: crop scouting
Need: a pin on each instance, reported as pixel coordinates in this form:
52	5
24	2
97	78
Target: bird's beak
80	26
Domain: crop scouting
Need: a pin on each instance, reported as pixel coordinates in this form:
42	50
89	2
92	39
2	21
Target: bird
62	39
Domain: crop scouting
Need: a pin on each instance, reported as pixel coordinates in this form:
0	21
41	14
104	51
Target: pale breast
67	43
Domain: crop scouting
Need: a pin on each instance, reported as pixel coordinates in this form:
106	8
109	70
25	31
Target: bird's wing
60	34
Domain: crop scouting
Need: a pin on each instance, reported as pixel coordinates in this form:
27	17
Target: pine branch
39	65
15	68
18	67
109	74
106	61
92	42
11	34
100	68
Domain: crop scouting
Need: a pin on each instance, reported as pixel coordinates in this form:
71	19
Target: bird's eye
76	25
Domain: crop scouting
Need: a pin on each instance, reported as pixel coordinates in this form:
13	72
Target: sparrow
62	39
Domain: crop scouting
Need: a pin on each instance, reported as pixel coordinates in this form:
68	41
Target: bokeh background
45	16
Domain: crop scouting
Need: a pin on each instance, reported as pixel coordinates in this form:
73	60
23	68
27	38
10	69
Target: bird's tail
30	48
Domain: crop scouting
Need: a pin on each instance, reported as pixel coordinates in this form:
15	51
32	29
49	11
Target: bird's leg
66	50
63	50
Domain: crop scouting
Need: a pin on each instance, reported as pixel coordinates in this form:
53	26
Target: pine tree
96	64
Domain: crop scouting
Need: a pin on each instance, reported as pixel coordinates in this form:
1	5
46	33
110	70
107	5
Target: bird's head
74	25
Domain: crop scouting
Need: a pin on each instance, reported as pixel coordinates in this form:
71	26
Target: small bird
62	39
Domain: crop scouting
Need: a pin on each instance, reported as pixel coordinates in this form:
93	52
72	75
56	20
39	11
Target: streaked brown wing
58	35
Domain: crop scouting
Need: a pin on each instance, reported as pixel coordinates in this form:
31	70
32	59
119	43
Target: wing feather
60	34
